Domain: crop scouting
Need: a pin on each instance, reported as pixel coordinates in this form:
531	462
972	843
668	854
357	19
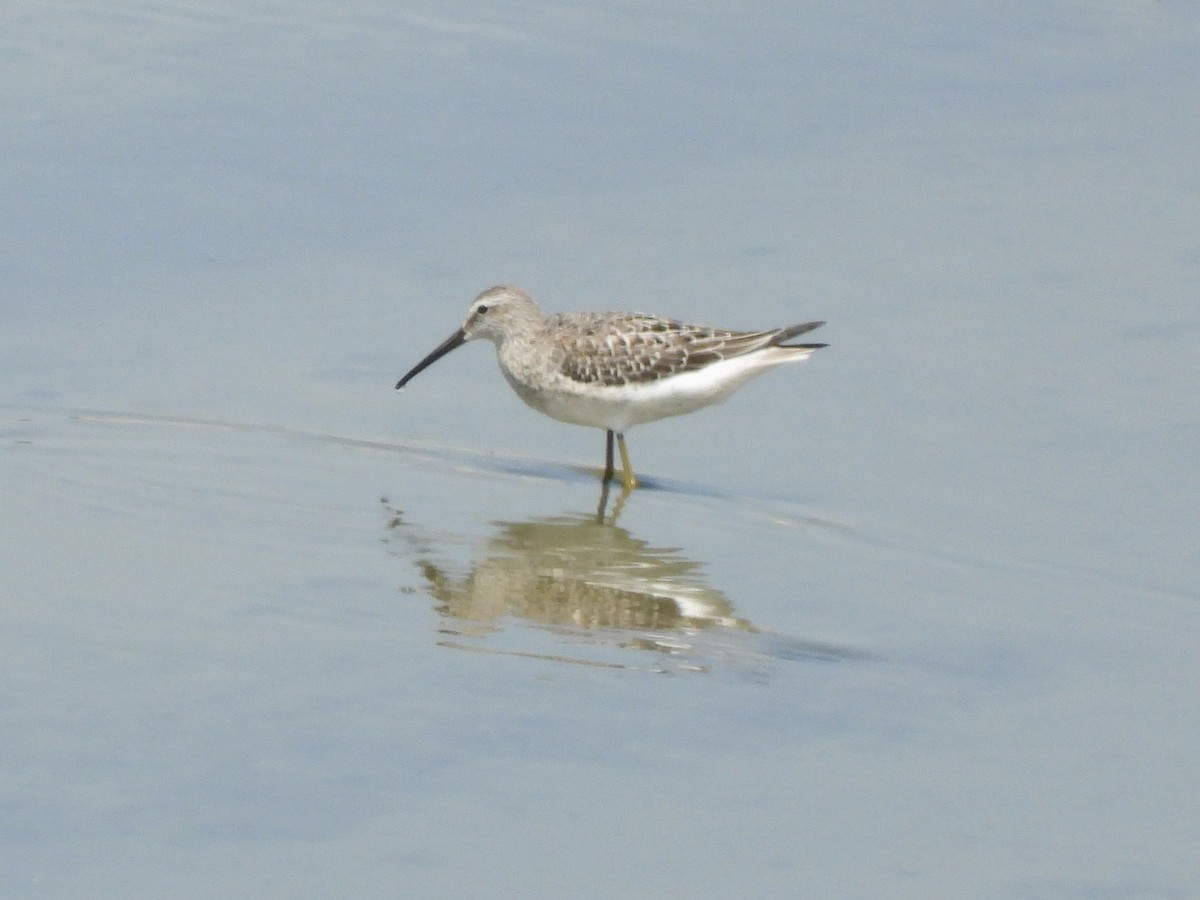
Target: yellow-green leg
628	479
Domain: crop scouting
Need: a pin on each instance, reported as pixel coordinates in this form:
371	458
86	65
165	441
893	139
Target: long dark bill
455	340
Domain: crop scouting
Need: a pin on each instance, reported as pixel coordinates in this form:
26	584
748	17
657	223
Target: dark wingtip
786	334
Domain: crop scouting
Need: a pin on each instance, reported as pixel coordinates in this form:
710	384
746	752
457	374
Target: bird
615	370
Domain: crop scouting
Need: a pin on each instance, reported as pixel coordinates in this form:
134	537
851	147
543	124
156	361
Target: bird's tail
786	334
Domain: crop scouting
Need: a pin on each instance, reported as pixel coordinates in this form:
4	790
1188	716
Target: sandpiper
615	370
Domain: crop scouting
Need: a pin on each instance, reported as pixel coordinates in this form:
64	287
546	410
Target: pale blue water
918	617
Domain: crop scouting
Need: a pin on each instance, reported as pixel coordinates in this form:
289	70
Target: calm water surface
917	618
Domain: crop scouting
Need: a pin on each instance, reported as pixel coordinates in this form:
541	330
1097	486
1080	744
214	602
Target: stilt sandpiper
616	370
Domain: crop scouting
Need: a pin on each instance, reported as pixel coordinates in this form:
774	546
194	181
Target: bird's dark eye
481	308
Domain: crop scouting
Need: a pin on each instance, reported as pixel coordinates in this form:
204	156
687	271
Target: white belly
620	407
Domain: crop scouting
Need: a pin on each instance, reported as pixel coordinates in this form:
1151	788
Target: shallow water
916	618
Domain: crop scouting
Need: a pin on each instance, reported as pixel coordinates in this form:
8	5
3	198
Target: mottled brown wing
631	349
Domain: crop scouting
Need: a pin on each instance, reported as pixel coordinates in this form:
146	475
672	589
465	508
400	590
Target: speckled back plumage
614	349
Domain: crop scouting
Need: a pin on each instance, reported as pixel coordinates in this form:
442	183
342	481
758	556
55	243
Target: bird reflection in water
586	579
